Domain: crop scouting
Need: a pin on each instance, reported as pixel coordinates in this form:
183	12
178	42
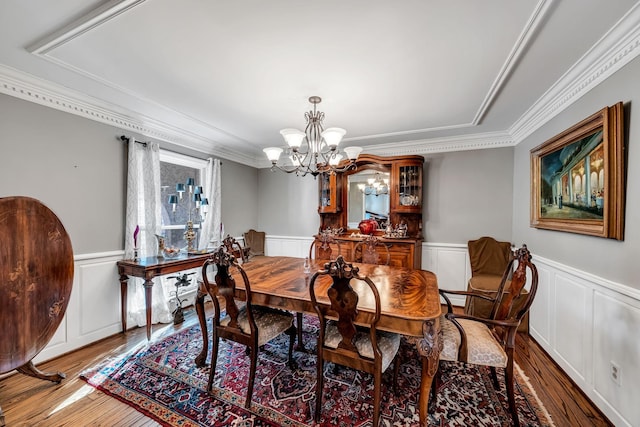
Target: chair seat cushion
482	346
388	342
270	322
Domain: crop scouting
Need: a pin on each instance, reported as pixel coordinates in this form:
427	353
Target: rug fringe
531	391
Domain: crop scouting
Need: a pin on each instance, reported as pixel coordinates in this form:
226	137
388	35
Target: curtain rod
127	139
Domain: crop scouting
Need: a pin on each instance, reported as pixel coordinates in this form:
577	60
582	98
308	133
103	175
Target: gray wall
611	259
468	194
77	167
288	204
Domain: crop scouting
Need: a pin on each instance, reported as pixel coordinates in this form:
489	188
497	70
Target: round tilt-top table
36	276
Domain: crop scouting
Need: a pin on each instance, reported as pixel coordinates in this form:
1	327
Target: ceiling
223	77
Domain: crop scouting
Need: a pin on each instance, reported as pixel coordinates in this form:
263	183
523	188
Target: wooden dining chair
342	342
324	244
371	251
234	247
244	323
491	342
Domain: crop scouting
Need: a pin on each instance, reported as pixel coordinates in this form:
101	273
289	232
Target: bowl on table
171	252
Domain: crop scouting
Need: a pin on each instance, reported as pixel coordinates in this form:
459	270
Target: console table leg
124	283
148	288
201	359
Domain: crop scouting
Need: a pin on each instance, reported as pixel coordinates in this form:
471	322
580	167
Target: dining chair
244	323
491	342
255	241
342	342
488	259
324	244
371	251
234	247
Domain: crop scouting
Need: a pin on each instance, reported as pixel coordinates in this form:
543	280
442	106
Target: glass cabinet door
408	198
328	197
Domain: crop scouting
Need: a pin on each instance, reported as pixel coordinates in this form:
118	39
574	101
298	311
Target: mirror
368	197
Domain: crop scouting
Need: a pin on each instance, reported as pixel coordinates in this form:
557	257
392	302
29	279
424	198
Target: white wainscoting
586	323
93	311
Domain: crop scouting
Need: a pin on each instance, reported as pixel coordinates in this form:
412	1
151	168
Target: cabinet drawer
401	255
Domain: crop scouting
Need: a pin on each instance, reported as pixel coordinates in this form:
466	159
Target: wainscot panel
589	326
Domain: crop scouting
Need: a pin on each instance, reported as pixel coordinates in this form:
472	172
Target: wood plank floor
30	402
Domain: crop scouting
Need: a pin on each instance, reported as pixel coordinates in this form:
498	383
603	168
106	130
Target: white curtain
143	211
211	227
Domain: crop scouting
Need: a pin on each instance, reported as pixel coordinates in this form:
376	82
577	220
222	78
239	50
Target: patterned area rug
162	382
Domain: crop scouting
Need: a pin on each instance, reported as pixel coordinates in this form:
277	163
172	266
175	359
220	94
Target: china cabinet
387	189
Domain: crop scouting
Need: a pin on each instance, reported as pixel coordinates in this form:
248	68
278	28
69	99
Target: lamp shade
273	153
333	136
191	181
173	199
198	190
335	160
293	137
180	187
352	152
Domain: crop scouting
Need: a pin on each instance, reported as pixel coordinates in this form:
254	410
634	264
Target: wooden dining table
410	304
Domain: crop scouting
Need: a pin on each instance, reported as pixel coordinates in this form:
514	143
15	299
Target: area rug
161	381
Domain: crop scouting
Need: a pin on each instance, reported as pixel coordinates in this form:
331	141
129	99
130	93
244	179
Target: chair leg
396	368
508	379
300	344
292	338
252	376
377	382
494	377
319	385
214	361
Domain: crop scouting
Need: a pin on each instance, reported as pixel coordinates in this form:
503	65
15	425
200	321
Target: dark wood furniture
325	246
36	277
402	252
246	324
342	342
371	251
491	342
147	269
405	206
409	304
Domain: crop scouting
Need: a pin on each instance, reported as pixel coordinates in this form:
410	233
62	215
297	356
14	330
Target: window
176	169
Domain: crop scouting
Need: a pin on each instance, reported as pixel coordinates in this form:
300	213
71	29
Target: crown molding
613	51
478	141
30	88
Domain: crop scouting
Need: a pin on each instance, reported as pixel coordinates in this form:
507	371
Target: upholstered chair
491	341
255	241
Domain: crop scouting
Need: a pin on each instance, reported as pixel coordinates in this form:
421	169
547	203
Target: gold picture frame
578	178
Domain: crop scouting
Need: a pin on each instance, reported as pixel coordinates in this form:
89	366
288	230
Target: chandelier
375	186
320	155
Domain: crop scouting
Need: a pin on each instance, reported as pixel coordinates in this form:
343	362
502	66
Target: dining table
410	303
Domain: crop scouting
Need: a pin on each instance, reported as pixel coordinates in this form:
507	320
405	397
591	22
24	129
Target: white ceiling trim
30	88
91	20
476	141
535	20
613	51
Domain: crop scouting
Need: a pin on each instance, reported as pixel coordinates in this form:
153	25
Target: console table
147	269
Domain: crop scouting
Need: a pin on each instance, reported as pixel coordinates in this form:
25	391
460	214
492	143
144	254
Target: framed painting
578	178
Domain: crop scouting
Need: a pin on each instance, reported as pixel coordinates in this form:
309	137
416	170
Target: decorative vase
368	226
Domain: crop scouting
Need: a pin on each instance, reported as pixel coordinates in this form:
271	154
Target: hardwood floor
28	401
